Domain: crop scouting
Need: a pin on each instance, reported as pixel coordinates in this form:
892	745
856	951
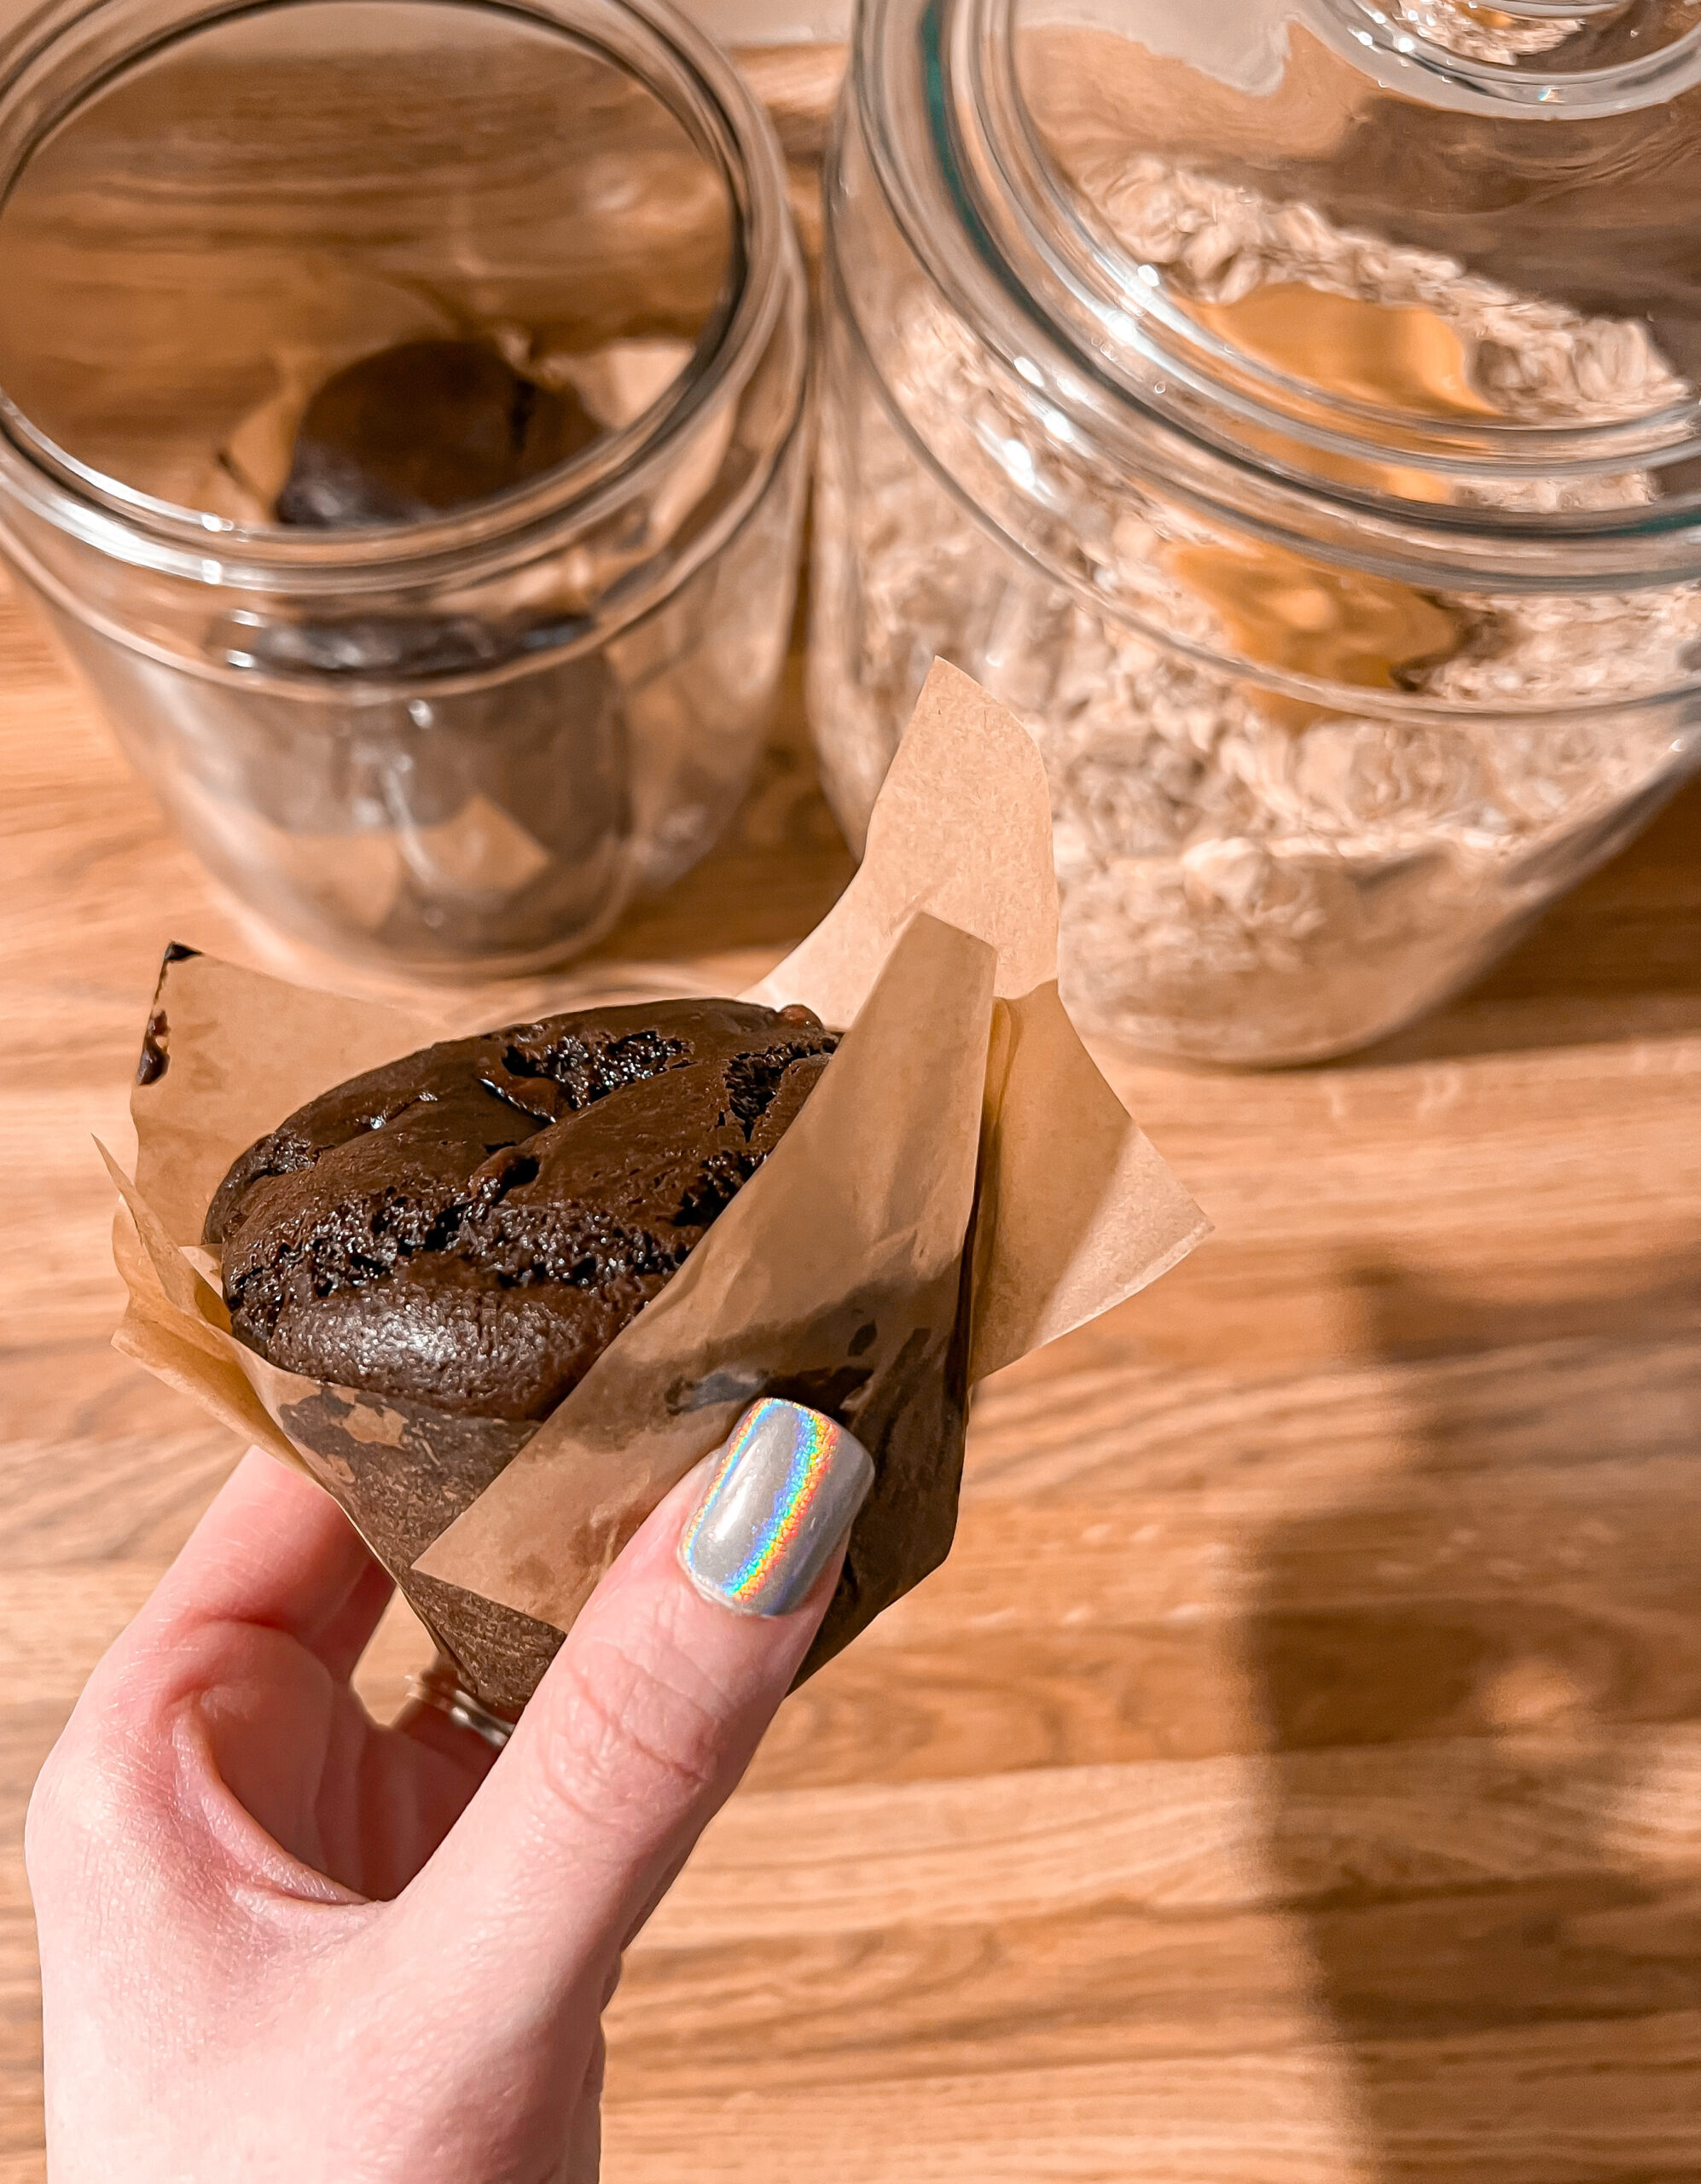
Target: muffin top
421	429
471	1226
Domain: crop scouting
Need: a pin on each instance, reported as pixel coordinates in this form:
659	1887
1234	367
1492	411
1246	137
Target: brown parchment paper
961	1186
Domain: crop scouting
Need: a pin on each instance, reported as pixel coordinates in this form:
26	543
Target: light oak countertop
1294	1777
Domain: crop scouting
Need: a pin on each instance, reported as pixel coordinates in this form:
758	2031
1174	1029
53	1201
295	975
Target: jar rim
651	40
1063	320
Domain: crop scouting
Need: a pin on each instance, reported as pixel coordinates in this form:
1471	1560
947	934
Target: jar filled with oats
1289	409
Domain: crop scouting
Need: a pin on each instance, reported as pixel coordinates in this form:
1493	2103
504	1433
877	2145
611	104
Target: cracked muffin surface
473	1225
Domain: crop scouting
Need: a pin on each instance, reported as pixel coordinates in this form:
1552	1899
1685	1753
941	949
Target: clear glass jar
1289	410
450	734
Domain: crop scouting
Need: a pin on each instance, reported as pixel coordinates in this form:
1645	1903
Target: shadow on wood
1617	957
1492	1732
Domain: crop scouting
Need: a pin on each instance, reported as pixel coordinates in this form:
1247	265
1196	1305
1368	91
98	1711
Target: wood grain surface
1294	1777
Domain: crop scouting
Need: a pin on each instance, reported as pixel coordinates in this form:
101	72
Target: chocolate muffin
421	429
417	777
471	1227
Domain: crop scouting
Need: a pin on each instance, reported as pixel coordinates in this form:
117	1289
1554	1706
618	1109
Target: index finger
273	1555
274	1550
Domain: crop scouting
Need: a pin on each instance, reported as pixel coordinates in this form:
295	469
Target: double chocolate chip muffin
422	429
440	811
470	1227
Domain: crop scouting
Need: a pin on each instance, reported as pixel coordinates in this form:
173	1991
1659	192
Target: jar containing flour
1289	410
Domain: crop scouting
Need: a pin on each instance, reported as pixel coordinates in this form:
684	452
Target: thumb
647	1716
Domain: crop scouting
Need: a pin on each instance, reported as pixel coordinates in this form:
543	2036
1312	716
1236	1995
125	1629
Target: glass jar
1289	410
444	711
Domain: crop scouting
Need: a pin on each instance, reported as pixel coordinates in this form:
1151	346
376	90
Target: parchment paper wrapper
962	1187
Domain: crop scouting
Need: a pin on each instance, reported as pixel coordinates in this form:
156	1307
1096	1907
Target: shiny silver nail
781	1497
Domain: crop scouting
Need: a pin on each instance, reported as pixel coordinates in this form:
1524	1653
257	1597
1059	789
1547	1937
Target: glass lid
1426	252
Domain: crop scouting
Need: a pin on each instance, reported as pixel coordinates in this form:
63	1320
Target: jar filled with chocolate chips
402	428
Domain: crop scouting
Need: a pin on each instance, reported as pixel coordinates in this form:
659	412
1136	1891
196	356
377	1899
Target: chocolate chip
156	1057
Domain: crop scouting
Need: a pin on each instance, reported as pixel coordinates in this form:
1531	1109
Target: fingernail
782	1497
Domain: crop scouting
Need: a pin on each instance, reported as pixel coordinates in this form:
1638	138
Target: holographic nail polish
782	1496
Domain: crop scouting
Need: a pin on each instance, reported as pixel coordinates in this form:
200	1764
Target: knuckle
70	1809
46	1818
633	1734
94	1798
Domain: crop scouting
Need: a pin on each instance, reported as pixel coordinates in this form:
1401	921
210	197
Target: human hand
279	1942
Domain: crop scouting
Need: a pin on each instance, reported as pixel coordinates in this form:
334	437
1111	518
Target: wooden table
1295	1776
